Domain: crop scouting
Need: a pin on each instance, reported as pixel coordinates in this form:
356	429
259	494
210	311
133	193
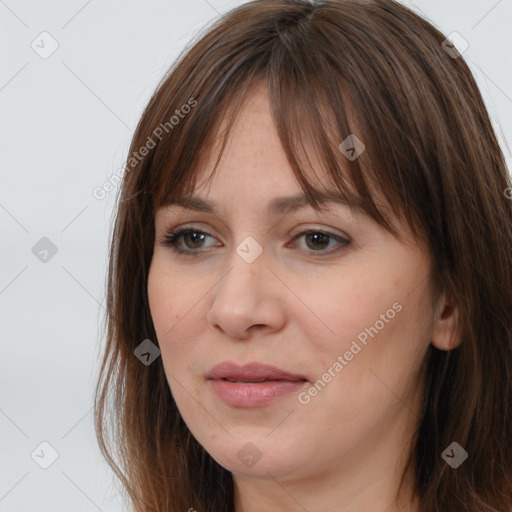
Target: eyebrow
278	206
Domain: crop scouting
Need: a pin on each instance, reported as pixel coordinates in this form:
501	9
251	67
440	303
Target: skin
296	309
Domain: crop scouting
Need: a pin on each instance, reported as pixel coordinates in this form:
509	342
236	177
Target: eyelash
172	238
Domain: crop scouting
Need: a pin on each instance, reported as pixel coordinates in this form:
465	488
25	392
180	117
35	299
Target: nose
248	298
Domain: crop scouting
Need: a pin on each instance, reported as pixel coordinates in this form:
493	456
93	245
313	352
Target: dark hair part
333	68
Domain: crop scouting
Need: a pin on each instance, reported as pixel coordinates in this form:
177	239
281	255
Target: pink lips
245	392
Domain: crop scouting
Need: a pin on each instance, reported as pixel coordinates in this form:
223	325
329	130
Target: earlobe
445	331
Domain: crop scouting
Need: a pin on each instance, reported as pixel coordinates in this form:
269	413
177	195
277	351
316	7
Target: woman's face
352	320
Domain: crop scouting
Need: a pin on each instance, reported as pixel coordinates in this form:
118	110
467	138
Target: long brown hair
334	68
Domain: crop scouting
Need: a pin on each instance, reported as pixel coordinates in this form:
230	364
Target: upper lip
251	371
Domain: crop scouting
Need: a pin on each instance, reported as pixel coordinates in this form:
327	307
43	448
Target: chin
257	457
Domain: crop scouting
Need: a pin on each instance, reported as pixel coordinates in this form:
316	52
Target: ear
445	334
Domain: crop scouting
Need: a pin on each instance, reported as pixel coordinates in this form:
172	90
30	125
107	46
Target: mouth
251	372
252	385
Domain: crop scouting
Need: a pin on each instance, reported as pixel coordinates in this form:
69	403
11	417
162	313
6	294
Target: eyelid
326	229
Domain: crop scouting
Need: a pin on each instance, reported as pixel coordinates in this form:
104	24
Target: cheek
169	296
369	318
174	304
339	309
163	304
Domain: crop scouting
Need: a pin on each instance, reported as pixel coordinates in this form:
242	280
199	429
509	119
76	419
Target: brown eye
193	238
317	241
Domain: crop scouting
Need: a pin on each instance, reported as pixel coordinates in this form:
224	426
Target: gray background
66	122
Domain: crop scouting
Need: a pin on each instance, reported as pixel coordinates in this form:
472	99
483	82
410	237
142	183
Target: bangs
308	133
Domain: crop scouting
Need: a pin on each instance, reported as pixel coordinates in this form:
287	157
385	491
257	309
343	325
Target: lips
253	385
251	372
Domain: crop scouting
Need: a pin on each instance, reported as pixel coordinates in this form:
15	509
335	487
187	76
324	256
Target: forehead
254	164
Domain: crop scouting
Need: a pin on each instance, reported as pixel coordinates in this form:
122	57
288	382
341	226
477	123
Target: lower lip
242	394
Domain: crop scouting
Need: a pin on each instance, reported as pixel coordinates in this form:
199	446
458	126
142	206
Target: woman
344	340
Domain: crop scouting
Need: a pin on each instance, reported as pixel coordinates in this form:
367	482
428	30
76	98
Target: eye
319	240
173	238
193	238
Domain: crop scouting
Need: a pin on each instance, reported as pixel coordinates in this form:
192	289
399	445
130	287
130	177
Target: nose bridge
247	268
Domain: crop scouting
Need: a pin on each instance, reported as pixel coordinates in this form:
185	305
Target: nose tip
244	300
